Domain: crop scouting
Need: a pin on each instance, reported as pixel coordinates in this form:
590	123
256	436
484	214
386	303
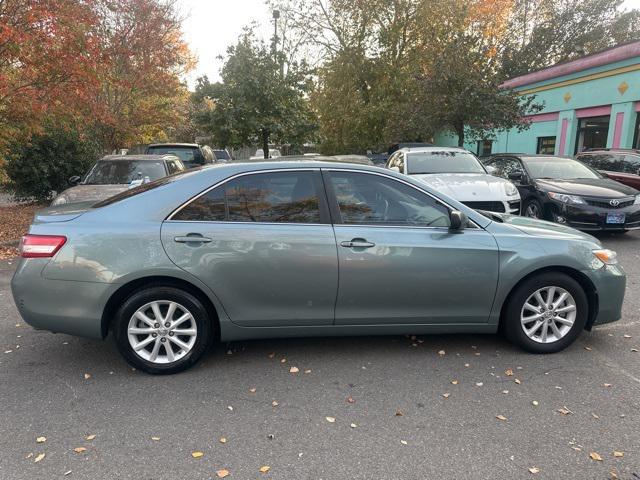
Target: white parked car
458	173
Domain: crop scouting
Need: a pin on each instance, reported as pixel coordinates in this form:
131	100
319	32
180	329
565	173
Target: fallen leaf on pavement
87	376
230	408
283	360
634	349
197	454
294	370
67	473
626	336
223	440
252	390
274	404
518	381
508	372
223	473
155	439
307	371
39	457
353	425
595	456
350	399
588	349
403	442
607	385
330	419
446	395
501	417
399	413
535	403
454	382
534	469
479	384
441	353
265	469
80	449
595	416
271	355
41	439
90	437
505	391
565	411
618	454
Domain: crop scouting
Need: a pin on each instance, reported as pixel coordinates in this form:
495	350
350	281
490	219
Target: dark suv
620	165
191	154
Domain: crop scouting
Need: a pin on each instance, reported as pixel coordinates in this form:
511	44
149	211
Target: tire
515	310
533	205
188	335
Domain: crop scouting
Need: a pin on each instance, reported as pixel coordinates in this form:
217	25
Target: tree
549	31
256	102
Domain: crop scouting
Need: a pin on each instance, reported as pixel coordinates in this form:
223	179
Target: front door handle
357	243
192	238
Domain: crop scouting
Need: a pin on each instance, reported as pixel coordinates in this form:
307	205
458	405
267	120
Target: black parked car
565	191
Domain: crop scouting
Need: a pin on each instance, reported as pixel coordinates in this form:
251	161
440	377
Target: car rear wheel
162	330
546	313
533	209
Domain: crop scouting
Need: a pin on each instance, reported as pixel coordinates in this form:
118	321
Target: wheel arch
578	276
127	289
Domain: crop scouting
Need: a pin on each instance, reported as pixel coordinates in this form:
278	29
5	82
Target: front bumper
60	306
593	218
610	284
499	206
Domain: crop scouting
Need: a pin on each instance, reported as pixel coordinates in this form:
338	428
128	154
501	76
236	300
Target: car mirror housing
73	180
516	176
458	220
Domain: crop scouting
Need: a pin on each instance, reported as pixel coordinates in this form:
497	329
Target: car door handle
357	243
193	238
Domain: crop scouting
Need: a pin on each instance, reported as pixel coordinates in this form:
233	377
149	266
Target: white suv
458	173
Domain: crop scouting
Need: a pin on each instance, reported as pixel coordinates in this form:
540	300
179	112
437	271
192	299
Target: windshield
111	172
222	155
443	161
558	168
186	154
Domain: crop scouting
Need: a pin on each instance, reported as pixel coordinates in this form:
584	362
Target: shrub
43	166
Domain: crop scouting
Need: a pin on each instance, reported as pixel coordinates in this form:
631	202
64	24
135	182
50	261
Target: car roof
191	145
329	159
632	151
433	149
140	158
527	155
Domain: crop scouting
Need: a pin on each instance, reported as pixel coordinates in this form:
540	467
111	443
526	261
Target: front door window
592	133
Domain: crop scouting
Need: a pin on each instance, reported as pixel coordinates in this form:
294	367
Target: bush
43	166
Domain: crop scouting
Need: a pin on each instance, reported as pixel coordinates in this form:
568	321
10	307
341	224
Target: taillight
38	246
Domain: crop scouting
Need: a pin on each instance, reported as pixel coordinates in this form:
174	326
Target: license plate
616	218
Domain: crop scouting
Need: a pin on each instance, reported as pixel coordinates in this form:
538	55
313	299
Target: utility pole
274	44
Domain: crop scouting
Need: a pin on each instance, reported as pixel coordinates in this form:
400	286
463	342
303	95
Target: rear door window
289	197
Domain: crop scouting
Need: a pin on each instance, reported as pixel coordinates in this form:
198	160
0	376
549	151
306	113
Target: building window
484	148
636	138
592	133
546	145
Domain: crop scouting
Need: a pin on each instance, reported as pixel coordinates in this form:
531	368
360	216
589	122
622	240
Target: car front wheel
533	209
162	330
546	313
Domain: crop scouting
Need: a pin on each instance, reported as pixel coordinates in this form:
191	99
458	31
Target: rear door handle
192	238
357	243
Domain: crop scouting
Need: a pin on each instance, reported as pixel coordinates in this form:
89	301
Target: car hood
590	187
466	187
84	193
538	228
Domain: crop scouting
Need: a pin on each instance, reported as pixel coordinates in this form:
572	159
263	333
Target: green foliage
44	165
259	101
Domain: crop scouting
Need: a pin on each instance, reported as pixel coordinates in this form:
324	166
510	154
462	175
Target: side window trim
325	217
334	209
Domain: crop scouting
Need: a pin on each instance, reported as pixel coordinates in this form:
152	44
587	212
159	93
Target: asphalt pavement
431	407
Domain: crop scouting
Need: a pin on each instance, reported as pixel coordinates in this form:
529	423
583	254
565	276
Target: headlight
61	200
564	198
637	201
606	256
510	189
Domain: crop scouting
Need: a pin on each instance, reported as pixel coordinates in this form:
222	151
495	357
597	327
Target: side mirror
75	179
491	170
458	220
515	176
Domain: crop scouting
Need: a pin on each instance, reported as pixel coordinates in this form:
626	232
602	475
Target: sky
210	26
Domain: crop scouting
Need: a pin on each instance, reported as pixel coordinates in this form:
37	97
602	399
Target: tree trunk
265	142
460	132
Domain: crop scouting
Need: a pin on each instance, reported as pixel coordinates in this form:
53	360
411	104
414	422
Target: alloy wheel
548	314
162	331
532	211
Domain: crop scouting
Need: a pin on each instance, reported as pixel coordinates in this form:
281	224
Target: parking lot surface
446	406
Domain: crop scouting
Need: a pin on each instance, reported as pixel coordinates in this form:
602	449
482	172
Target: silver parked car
116	173
276	249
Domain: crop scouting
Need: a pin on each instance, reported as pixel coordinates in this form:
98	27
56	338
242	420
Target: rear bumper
60	306
610	284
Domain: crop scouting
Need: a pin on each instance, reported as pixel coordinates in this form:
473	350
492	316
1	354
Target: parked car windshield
111	172
222	155
186	154
443	161
559	168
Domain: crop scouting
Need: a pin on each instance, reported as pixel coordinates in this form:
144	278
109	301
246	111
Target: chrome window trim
228	179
